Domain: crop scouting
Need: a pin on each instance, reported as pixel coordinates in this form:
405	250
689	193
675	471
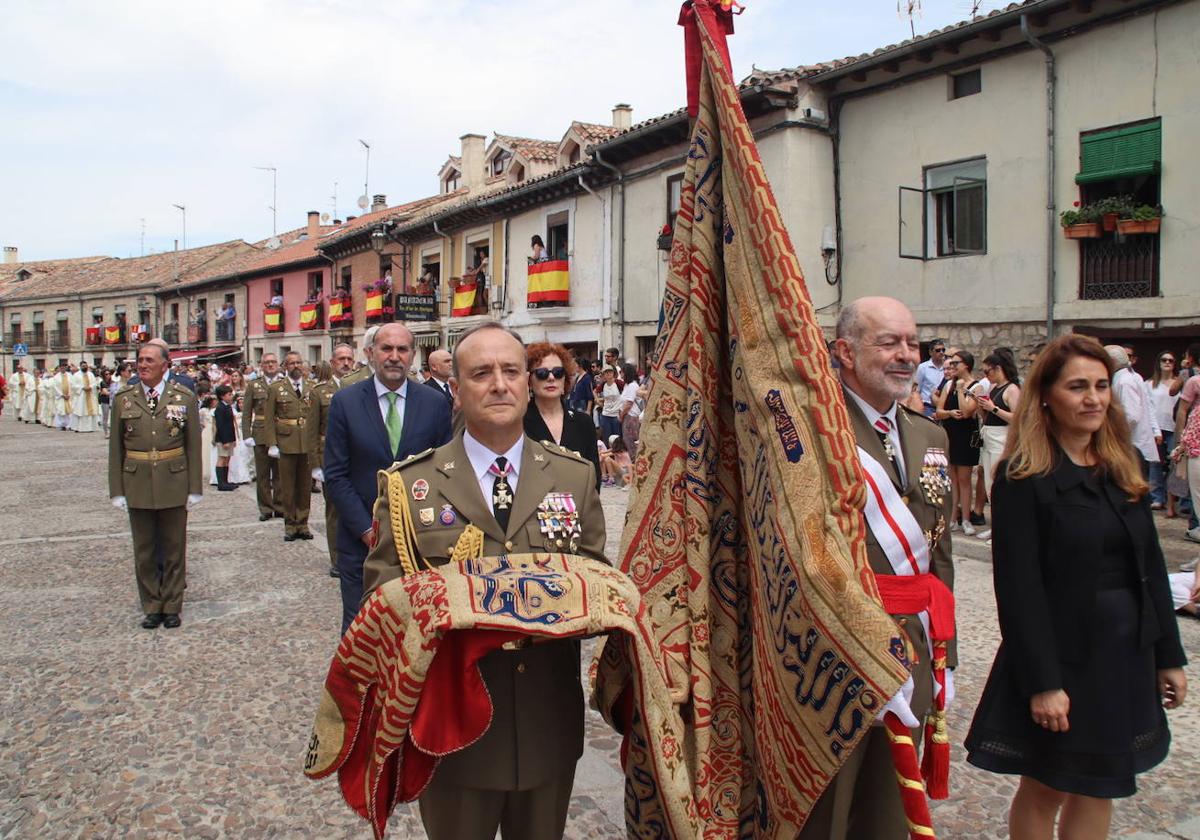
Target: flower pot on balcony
1133	226
1109	222
1089	230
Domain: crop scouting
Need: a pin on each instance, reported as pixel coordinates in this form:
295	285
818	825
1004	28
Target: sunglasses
938	350
545	373
1167	359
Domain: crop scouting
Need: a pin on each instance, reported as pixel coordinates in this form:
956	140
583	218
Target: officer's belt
155	454
296	422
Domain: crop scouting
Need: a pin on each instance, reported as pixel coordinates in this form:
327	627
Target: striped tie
883	428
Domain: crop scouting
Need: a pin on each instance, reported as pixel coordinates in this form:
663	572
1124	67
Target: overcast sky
116	110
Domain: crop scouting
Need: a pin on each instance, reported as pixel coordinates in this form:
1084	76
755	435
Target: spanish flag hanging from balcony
112	335
308	316
549	282
273	319
464	298
335	309
374	305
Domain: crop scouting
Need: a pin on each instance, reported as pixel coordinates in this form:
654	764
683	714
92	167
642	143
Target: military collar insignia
449	465
538	457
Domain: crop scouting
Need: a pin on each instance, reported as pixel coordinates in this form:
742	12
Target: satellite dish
324	217
363	202
273	243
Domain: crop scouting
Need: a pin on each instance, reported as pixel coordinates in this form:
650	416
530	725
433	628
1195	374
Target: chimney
378	202
622	116
314	224
472	161
11	255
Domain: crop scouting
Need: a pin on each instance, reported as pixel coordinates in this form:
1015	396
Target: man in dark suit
371	425
877	351
439	375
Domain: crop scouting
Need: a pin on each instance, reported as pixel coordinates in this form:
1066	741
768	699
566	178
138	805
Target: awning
1120	153
212	353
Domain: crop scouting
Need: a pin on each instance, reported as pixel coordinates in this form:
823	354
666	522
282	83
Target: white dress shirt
482	458
1127	388
872	415
381	392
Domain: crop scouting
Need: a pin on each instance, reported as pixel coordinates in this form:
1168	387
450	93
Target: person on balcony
276	300
225	316
539	250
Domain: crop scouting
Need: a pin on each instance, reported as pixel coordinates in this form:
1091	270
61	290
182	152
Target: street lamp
379	240
274	195
366	174
183	210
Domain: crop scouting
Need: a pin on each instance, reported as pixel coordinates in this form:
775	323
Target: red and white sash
893	524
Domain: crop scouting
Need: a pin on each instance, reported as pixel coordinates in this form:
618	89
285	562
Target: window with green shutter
1124	152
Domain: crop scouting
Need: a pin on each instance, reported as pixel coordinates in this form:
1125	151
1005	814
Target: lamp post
183	210
274	196
367	173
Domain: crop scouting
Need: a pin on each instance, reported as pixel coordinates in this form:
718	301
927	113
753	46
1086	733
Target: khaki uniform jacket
537	724
357	375
322	395
254	405
136	468
918	436
287	417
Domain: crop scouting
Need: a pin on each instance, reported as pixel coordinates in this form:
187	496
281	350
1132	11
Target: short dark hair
486	325
612	350
222	390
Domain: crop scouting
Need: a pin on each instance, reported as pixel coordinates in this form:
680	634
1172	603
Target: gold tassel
469	545
404	533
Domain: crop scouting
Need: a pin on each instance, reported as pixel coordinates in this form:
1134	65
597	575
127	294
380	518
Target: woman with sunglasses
548	419
954	408
1163	405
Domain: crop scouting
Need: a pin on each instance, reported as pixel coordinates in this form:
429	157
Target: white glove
319	474
901	704
120	504
249	442
273	452
193	500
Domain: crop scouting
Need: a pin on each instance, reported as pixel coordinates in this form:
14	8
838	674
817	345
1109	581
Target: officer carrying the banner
155	466
291	408
501	492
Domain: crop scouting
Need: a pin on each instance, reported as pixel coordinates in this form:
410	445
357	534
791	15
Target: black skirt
1117	724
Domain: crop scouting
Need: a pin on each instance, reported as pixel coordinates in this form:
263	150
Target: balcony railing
38	339
60	338
226	329
170	333
197	333
14	337
1112	270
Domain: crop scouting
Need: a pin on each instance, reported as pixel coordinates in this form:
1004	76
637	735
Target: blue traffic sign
20	350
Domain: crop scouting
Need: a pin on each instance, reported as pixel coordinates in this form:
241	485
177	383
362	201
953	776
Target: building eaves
363	225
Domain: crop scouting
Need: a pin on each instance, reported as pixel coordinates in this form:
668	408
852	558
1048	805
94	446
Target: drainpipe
245	310
619	314
447	258
606	264
1051	220
504	291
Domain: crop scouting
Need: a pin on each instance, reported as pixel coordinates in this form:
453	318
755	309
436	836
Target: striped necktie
883	428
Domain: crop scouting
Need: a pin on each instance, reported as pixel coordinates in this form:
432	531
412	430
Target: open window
558	241
947	216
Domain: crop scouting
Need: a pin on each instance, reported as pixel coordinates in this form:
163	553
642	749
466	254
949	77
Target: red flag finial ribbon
716	16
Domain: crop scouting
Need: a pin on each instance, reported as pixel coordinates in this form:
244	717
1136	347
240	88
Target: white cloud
116	111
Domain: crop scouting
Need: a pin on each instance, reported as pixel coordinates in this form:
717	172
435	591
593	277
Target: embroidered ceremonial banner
550	282
310	316
744	532
404	689
273	319
112	335
464	299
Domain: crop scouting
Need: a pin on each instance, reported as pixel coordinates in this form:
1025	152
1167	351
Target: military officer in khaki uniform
266	469
365	371
518	776
291	408
155	466
342	363
878	351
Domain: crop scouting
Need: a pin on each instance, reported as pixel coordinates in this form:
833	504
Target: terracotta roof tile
592	133
529	148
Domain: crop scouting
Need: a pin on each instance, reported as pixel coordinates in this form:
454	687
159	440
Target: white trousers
994	438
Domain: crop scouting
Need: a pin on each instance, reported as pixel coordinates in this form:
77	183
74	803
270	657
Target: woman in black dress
1090	651
548	418
954	408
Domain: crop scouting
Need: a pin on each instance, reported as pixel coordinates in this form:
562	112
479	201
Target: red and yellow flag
273	320
112	335
464	299
550	282
335	308
374	305
308	316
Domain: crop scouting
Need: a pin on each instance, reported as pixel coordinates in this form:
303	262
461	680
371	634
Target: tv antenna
274	196
335	183
366	176
911	9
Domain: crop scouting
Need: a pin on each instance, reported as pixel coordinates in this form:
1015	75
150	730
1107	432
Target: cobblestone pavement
108	730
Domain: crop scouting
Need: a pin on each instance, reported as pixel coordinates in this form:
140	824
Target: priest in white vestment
85	400
46	399
60	390
27	385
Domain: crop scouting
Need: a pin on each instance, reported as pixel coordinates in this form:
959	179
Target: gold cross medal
501	497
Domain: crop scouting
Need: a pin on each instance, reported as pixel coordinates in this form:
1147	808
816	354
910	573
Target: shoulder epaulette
124	388
563	451
912	412
411	459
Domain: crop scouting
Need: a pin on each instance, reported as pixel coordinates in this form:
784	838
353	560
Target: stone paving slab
108	730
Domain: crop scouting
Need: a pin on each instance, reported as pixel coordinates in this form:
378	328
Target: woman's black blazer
578	434
1045	550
